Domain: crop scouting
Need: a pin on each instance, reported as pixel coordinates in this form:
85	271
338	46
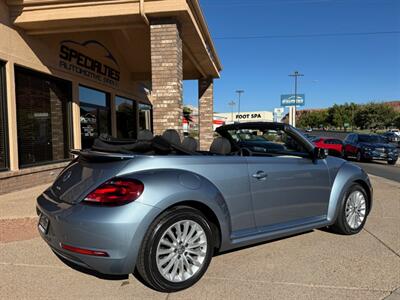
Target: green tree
313	119
340	115
337	116
187	114
375	116
396	120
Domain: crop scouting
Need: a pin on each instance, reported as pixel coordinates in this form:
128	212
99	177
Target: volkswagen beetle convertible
159	208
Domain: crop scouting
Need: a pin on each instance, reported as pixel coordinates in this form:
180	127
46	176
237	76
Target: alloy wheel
356	207
181	251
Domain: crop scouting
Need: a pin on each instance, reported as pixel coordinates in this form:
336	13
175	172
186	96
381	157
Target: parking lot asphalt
381	169
314	265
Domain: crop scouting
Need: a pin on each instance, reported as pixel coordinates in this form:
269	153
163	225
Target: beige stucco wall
41	53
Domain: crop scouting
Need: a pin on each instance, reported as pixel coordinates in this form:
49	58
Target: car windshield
246	135
373	139
265	141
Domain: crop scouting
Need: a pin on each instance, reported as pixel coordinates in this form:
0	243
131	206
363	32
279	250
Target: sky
348	50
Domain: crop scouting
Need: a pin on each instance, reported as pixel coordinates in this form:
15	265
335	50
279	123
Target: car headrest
221	146
172	136
190	144
145	135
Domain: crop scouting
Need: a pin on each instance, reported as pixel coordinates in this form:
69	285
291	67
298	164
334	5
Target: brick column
206	113
166	68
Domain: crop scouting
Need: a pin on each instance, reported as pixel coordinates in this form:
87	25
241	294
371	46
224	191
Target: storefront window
126	118
95	115
42	117
145	115
3	123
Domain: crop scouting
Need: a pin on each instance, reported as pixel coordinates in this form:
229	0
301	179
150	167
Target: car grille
383	150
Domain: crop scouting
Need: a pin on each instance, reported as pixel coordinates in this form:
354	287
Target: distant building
252	116
220	119
395	104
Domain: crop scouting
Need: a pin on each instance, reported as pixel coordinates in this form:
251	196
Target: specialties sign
90	59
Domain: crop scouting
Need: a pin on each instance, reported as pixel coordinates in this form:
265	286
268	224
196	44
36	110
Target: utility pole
232	105
239	92
292	109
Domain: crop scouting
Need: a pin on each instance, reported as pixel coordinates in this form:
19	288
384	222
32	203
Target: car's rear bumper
117	231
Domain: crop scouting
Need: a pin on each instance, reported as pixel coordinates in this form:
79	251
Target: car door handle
260	175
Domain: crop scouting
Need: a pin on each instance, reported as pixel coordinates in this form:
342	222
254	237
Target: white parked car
395	131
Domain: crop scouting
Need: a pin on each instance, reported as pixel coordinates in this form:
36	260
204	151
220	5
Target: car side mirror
320	153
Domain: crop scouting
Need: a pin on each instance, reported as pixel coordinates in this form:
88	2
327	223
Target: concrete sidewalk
314	265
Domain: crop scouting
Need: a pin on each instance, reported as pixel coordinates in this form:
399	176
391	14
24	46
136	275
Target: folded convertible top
157	145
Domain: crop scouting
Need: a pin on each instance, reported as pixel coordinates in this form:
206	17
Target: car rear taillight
116	192
84	251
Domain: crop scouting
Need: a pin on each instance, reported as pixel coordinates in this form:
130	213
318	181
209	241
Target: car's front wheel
392	162
177	250
352	212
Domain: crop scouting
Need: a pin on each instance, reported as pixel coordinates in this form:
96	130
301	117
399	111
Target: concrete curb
395	295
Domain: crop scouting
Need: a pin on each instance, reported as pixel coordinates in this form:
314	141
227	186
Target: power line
259	37
251	3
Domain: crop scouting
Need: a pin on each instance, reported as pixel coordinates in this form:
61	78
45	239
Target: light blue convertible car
159	208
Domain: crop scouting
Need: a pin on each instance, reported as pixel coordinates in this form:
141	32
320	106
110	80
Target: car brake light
116	192
84	251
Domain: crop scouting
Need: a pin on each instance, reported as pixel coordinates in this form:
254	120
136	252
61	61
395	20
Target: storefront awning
125	24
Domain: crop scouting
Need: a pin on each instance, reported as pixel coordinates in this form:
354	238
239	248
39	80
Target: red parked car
334	146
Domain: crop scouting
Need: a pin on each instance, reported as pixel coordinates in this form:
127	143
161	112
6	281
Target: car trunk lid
89	170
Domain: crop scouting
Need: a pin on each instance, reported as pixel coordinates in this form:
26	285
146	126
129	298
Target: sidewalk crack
383	243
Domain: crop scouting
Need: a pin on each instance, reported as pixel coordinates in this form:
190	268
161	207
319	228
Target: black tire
343	154
392	162
146	263
359	157
341	226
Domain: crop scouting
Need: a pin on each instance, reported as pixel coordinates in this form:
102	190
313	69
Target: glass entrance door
42	117
95	115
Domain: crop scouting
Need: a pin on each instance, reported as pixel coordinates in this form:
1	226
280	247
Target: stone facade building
73	70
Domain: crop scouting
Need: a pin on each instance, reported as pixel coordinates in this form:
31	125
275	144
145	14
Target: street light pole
239	92
292	111
232	104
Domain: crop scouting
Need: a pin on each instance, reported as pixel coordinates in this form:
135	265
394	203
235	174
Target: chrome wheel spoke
185	230
172	236
170	265
196	237
166	259
164	251
178	232
181	269
166	243
195	261
187	265
196	252
190	234
196	245
175	269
